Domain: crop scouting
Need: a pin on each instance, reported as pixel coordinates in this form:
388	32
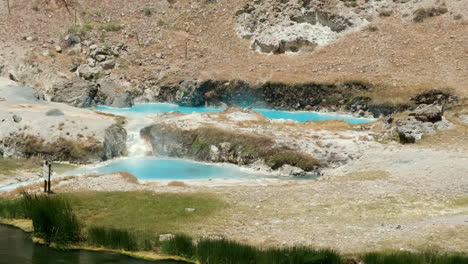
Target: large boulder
115	139
88	72
411	130
9	91
75	92
428	113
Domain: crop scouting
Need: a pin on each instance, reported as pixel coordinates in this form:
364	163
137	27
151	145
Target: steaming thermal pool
150	168
300	116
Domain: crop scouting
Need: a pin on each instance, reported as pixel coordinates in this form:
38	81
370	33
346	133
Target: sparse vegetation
61	149
293	158
35	6
81	30
110	27
423	13
148	11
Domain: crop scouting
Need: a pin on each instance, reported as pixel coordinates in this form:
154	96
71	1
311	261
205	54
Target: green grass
298	255
111	26
82	29
148	11
11	208
222	251
52	217
144	212
405	257
112	238
179	245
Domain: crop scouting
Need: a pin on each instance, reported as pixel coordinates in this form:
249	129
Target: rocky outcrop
9	91
425	120
436	97
115	139
307	96
411	130
276	26
218	145
428	113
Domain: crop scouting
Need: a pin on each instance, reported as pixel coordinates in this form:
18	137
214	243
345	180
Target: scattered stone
76	49
444	124
108	64
288	170
87	72
72	39
463	118
190	210
91	62
17	118
54	112
101	58
12	76
73	67
58	49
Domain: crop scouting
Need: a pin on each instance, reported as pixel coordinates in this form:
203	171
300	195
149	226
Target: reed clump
112	238
52	218
179	245
406	257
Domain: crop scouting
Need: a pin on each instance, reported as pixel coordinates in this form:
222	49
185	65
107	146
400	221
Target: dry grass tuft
128	177
177	184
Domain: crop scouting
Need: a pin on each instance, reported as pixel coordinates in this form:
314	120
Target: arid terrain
399	182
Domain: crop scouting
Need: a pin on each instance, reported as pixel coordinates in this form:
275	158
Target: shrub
111	26
52	217
179	245
81	30
147	11
293	158
405	257
222	251
112	238
298	255
422	13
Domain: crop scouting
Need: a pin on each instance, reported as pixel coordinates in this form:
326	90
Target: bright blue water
300	116
168	169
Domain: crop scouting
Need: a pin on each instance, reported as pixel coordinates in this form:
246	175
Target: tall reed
52	217
112	238
405	257
179	245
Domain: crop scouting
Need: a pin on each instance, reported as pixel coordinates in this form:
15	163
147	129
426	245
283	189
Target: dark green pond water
16	247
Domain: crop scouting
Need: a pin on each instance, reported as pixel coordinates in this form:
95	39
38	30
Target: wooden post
186	49
8	5
48	181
